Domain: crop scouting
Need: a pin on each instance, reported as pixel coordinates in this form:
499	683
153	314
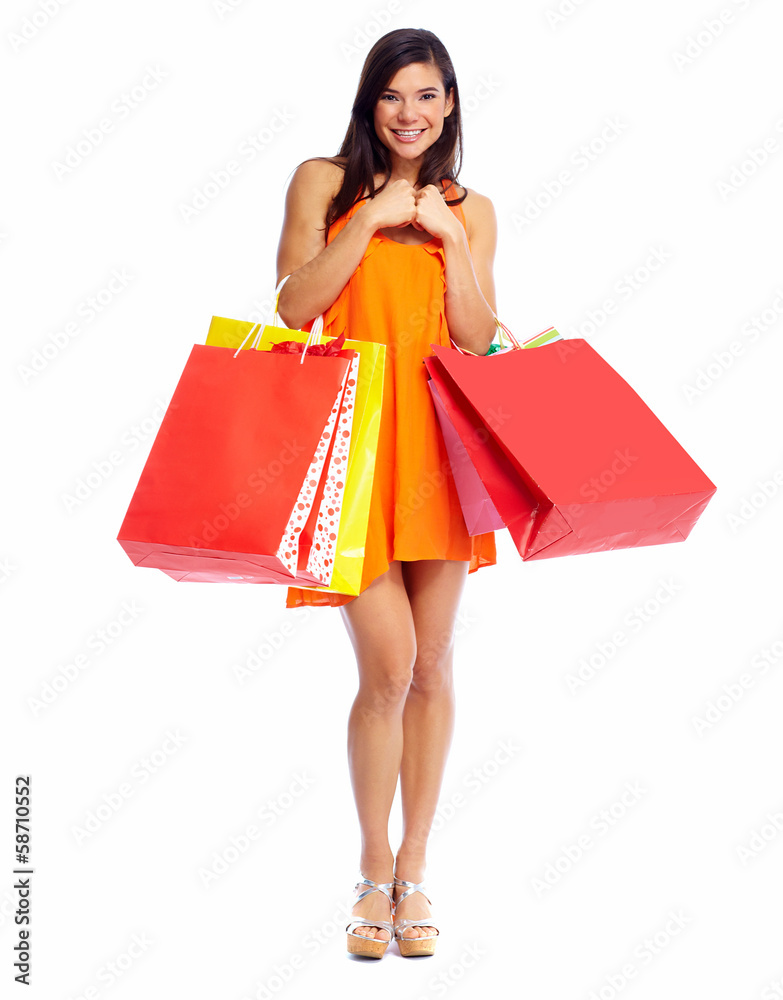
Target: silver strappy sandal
410	947
359	944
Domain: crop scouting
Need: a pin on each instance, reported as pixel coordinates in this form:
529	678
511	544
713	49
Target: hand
395	206
433	214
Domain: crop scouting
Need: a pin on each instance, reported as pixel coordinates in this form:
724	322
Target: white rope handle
312	337
502	330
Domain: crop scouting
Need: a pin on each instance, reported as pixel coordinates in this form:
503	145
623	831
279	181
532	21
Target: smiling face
409	114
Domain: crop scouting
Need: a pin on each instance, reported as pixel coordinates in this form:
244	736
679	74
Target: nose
407	112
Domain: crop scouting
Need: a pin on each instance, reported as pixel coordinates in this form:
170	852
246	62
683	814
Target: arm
320	272
470	287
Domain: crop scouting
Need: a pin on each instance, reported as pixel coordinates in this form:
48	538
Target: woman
383	242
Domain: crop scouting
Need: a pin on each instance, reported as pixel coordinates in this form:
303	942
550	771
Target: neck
406	170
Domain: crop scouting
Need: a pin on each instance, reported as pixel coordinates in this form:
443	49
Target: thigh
380	626
434	588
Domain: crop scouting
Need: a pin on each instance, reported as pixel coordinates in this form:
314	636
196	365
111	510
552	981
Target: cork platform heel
358	944
410	947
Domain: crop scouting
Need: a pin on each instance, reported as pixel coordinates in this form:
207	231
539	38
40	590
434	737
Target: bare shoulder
479	214
477	205
320	176
313	188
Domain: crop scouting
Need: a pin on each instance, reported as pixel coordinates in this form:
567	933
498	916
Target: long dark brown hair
366	155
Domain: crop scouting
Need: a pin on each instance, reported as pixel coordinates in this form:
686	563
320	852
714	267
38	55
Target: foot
413	907
374	906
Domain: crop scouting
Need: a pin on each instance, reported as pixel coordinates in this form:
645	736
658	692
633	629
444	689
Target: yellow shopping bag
352	531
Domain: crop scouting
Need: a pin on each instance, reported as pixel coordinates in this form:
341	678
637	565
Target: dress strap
448	185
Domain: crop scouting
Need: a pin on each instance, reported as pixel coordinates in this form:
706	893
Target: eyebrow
390	90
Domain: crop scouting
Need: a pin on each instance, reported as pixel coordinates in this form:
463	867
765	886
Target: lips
407	135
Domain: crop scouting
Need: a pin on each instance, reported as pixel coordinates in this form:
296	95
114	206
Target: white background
535	88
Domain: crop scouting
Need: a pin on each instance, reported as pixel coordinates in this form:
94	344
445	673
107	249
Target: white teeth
416	131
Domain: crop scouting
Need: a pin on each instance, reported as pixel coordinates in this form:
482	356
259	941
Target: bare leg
434	589
380	626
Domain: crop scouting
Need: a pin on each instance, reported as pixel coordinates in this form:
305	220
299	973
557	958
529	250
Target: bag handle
312	337
502	330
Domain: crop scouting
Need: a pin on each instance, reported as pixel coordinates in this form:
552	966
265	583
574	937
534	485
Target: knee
432	670
388	689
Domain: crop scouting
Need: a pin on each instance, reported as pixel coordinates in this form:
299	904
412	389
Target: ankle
410	867
377	867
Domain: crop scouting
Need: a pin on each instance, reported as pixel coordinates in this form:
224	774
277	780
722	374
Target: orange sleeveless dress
396	297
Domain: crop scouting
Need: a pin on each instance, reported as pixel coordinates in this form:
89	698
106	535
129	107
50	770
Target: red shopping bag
235	469
571	456
480	513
